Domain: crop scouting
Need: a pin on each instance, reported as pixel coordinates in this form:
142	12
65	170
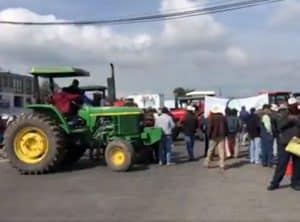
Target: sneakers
206	164
295	187
272	187
171	164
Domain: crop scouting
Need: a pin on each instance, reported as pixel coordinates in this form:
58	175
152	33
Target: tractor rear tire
72	155
119	155
34	143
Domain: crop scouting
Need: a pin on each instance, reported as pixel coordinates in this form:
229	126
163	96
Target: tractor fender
151	135
53	112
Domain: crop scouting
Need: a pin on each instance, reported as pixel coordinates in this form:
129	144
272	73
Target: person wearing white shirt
165	122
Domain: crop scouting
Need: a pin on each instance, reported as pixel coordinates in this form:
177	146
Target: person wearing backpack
233	124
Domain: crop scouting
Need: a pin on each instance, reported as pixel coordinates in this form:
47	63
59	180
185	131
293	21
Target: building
15	91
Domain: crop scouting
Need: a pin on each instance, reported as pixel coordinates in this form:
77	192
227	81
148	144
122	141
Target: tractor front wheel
119	155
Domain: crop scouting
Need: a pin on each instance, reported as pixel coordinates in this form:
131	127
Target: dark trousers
267	151
206	143
156	152
190	141
283	160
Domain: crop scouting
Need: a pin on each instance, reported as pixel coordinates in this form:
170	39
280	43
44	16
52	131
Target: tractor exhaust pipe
111	85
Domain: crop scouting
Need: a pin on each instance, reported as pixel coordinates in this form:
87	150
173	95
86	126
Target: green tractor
45	139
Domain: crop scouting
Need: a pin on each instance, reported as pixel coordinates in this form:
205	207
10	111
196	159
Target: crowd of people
268	132
265	132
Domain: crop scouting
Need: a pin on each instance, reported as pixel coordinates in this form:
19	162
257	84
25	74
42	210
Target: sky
237	53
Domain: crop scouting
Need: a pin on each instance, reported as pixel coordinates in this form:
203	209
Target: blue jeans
267	151
165	149
190	141
255	150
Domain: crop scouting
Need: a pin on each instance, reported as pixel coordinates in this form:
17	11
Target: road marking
4	161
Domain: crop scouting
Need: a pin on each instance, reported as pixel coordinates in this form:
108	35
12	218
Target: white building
15	91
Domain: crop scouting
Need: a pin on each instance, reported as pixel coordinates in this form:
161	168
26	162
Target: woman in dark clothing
288	127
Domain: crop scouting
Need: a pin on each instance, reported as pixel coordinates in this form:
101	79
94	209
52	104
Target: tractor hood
110	111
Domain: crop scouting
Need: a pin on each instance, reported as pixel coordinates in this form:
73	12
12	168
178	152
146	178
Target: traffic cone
289	169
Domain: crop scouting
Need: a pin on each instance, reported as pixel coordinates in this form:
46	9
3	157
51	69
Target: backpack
233	124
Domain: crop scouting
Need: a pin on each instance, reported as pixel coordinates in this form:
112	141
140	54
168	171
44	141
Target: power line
155	17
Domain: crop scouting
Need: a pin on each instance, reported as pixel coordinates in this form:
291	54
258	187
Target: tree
179	91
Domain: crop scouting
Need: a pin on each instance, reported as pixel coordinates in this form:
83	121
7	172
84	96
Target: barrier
289	169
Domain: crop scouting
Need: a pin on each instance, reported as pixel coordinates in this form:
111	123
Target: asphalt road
185	192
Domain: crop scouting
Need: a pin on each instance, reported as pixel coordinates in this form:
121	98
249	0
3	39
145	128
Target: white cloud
237	56
194	52
287	15
202	32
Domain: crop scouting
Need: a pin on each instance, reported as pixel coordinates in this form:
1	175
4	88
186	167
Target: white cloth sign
211	102
235	103
256	102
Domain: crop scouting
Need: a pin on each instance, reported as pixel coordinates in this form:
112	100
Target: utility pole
220	91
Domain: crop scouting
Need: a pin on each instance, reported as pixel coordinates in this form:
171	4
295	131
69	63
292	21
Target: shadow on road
83	164
141	167
238	164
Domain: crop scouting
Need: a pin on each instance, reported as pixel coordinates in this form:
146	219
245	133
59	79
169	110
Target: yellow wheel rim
31	145
118	156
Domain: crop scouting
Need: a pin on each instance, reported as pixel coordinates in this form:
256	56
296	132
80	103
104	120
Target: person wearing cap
165	122
217	131
289	126
189	125
274	118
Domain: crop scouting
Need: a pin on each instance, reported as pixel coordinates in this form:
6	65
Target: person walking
217	130
165	122
288	126
244	115
253	128
203	127
267	138
233	124
189	125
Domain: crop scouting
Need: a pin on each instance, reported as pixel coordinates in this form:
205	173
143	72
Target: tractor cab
98	94
67	102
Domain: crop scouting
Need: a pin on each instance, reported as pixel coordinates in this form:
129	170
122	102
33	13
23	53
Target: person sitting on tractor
73	88
69	100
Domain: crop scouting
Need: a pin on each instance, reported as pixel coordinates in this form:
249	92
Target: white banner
256	102
236	103
210	102
148	100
